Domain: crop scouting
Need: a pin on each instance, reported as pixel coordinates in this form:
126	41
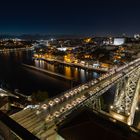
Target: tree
39	96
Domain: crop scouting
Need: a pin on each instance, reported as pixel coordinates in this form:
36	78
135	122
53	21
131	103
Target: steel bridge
43	118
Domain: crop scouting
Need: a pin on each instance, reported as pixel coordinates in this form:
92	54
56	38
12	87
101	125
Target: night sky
89	17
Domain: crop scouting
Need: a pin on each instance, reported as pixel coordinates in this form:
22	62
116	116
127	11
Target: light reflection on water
79	75
76	72
83	76
67	71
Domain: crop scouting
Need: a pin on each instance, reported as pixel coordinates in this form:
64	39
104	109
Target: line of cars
64	109
77	91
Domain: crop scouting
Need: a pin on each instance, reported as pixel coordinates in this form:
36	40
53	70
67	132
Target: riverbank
15	49
89	68
49	72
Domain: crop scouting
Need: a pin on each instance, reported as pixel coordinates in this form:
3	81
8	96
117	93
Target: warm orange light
68	71
87	56
87	40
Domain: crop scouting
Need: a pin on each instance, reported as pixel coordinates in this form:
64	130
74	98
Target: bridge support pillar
126	98
97	104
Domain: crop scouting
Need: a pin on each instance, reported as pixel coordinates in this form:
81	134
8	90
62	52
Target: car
71	93
44	106
68	106
51	103
62	109
67	95
78	100
57	100
74	103
56	114
49	118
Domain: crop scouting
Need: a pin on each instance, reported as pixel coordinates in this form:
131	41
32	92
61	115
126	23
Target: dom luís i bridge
42	120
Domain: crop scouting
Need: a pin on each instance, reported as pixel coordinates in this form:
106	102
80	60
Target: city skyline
70	17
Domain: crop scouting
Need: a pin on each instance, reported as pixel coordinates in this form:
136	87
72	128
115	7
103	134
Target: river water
13	75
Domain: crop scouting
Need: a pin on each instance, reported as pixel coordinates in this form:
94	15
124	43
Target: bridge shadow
90	126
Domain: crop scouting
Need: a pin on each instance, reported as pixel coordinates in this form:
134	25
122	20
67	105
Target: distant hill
39	36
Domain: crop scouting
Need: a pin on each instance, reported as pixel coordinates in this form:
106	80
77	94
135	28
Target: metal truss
125	93
94	104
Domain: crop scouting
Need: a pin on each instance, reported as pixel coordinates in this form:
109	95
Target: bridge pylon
126	98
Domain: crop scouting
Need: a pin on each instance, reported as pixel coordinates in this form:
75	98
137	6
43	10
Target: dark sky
96	17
